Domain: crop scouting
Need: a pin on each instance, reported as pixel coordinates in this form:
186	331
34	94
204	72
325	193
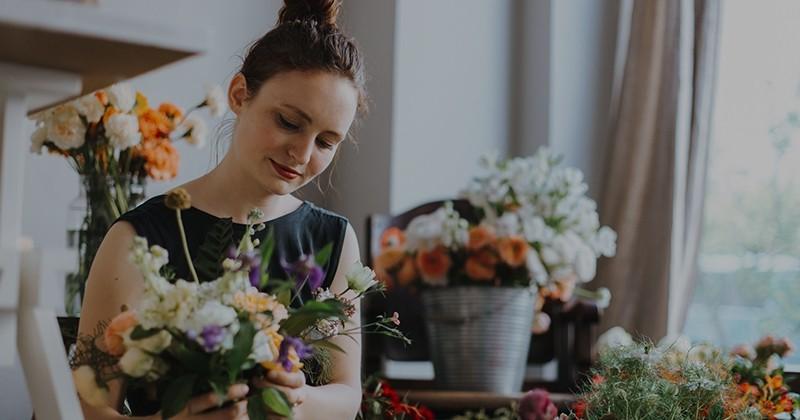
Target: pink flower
536	405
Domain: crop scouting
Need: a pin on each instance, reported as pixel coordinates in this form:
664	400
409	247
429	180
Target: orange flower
392	237
110	111
141	104
389	258
481	266
161	159
513	250
154	124
113	334
479	237
407	272
774	382
434	264
102	97
172	111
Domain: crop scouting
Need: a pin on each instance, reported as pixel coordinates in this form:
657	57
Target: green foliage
208	261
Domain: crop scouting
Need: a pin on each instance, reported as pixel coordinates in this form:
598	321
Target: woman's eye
322	144
286	123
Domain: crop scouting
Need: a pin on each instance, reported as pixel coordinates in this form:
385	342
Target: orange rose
172	111
154	124
393	237
481	266
160	157
434	264
407	272
479	237
113	333
389	258
513	250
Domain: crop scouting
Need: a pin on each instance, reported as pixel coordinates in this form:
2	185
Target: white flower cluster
546	204
442	227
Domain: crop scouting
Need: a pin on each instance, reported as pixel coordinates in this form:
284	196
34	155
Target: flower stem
186	246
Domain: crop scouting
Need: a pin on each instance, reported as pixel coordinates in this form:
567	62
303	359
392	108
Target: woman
295	98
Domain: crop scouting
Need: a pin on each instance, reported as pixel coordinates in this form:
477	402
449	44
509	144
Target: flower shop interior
573	209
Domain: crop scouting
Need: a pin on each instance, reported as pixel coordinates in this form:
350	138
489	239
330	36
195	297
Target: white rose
215	99
614	337
65	128
156	343
123	131
38	138
262	348
122	96
90	107
136	362
195	130
360	278
86	385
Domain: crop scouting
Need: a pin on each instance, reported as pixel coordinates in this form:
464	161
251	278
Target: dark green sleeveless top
304	231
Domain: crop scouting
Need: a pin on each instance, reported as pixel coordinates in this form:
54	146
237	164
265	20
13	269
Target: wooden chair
569	339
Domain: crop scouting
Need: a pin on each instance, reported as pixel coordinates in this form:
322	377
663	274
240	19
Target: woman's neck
227	191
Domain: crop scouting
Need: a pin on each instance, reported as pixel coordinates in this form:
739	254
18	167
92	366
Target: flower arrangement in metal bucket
536	228
229	323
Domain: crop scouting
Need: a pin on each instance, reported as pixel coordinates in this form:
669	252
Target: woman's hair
306	38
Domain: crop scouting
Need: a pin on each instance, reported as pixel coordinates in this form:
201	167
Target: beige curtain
655	176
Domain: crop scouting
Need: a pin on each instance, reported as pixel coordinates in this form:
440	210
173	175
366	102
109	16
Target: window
749	280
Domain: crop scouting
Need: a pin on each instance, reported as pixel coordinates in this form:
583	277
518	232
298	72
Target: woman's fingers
237	411
209	400
292	380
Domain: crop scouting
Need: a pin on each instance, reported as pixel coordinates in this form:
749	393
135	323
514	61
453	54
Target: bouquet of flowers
186	337
535	228
115	141
678	380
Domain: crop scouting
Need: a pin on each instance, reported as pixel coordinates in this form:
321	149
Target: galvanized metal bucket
479	336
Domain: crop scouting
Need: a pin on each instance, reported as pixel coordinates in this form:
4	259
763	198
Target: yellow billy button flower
178	199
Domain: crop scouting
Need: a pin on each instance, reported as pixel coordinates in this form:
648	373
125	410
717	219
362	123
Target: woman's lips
284	171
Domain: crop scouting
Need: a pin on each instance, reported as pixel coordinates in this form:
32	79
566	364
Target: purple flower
303	351
305	270
249	261
211	337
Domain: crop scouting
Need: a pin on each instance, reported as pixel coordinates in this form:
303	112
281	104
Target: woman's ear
237	93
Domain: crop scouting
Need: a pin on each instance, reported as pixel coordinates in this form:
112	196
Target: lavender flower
305	270
211	337
301	349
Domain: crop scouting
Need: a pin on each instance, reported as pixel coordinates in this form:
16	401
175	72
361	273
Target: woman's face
288	133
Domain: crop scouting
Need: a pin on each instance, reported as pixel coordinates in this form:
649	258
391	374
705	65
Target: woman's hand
293	385
207	406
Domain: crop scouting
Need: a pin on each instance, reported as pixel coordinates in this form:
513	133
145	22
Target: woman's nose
300	150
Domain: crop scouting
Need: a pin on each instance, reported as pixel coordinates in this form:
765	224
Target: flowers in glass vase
188	337
532	226
115	141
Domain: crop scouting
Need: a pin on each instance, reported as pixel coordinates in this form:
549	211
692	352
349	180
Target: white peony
38	138
360	278
136	362
122	96
215	100
65	128
90	107
123	131
86	385
195	130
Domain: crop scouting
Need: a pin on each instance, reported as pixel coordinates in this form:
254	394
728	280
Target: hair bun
324	12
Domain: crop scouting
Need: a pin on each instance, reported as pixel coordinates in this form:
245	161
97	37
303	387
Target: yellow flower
141	104
178	199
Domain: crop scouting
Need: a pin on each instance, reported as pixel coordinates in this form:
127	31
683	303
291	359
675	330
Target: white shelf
101	46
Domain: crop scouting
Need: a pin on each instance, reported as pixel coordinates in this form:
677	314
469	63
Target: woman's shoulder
148	216
324	215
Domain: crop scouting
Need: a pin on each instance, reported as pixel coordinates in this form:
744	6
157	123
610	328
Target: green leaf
276	402
327	344
192	360
267	248
209	257
312	311
324	255
285	297
256	409
177	395
140	333
242	346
